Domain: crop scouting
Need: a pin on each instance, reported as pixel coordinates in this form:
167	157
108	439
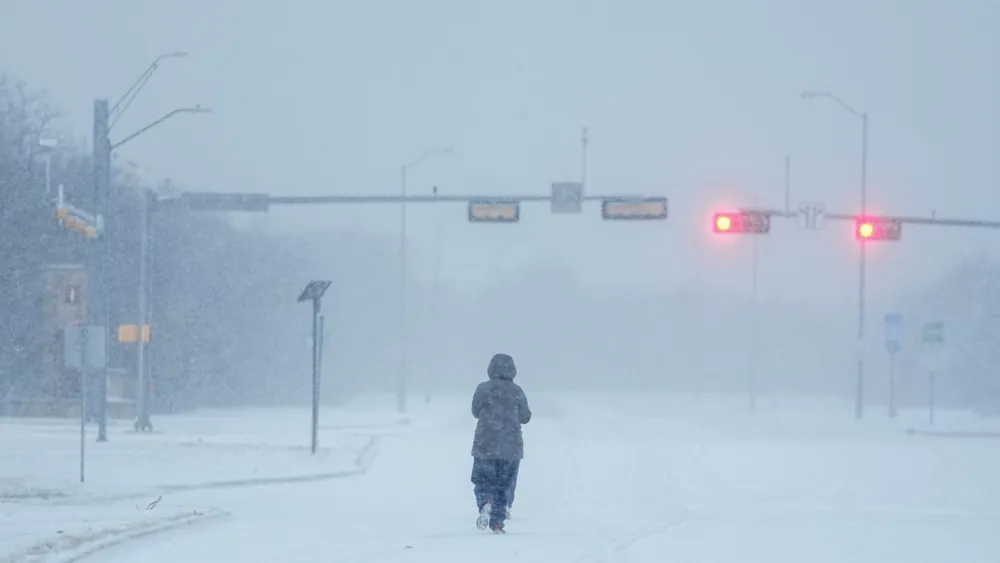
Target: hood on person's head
502	367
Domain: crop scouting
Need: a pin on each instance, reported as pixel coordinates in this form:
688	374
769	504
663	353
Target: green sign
934	332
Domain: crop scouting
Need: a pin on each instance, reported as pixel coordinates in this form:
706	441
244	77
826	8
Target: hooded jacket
501	407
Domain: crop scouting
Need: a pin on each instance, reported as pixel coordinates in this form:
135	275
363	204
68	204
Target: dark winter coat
501	407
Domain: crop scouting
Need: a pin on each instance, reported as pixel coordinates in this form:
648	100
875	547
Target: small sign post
893	344
314	291
84	351
933	337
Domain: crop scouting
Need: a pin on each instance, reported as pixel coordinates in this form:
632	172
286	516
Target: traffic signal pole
859	403
752	380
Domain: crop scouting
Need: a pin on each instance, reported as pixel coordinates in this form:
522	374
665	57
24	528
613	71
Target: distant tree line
217	301
967	302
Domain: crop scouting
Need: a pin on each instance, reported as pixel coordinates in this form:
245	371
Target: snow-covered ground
40	457
132	479
36	533
629	478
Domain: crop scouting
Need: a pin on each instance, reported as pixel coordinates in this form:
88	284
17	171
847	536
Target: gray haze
697	101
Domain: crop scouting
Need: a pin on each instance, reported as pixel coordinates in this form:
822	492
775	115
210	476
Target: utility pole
142	394
98	311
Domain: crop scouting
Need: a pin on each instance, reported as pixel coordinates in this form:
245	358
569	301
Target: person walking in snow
501	407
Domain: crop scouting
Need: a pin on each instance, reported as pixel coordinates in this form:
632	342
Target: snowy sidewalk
46	514
35	533
39	458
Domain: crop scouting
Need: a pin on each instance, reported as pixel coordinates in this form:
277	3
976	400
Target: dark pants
493	478
513	485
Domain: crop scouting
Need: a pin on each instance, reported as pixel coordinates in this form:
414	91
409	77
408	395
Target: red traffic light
723	223
877	228
756	222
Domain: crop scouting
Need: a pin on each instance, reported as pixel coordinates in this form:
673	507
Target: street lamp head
812	95
428	154
175	55
195	109
446	150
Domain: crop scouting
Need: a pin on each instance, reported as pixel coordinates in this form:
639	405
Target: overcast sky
695	100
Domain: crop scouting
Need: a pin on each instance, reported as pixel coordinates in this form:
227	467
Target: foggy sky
694	100
698	101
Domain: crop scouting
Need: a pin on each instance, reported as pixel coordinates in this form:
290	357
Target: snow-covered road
626	478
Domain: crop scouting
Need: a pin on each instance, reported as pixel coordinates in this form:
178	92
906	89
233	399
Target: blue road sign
893	332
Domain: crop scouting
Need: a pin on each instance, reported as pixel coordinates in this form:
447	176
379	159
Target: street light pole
436	298
142	421
863	116
142	412
436	308
98	310
403	298
403	309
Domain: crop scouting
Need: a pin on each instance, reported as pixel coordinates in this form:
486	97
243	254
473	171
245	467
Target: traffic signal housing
741	222
877	228
627	209
494	211
75	220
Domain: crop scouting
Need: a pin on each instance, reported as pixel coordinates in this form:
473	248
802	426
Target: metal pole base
143	424
102	417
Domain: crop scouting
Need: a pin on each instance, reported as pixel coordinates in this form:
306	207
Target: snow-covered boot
484	516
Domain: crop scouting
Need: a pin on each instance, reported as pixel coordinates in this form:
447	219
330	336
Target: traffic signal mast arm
333	199
867	226
481	208
902	219
922	220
